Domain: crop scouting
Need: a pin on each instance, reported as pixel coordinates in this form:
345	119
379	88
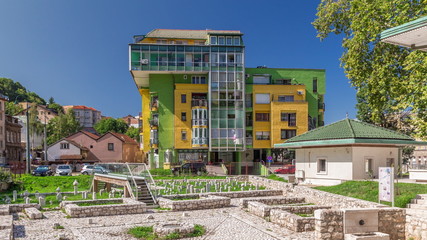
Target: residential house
346	150
132	121
13	139
86	116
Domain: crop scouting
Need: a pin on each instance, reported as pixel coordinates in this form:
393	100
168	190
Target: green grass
147	233
49	183
161	172
163	209
58	227
368	190
277	178
202	185
304	215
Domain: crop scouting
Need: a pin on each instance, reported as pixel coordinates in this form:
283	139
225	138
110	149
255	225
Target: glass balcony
154	141
199	103
199	122
199	141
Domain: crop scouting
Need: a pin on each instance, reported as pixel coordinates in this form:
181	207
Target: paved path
221	224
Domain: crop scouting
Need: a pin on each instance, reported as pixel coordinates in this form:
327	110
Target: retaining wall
204	202
291	221
129	206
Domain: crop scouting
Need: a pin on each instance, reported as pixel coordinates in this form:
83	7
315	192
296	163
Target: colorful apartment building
199	103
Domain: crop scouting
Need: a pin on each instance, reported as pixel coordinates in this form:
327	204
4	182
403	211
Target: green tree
389	79
111	125
12	109
62	126
55	106
133	132
14	89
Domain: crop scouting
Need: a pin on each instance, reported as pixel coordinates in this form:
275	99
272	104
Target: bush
161	172
5	176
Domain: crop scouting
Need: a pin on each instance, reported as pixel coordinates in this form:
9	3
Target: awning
412	34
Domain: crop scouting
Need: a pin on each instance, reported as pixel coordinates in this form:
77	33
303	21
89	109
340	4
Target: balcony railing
199	122
322	106
199	141
154	141
294	101
154	122
249	141
249	123
199	103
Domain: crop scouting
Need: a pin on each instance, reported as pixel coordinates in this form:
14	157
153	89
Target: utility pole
45	138
28	169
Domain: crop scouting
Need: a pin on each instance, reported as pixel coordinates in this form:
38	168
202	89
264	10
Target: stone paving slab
226	224
6	234
6	222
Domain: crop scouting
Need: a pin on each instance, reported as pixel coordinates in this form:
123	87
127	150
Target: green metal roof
349	129
346	132
420	22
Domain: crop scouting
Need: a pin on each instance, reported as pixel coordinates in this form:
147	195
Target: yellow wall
145	131
180	125
275	108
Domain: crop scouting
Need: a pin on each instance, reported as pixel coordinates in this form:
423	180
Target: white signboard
386	184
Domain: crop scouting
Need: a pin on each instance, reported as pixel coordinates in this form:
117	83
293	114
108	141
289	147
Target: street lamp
28	160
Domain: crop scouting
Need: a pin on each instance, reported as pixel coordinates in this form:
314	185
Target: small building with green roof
345	150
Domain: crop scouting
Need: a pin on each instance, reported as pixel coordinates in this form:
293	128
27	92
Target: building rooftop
349	131
188	34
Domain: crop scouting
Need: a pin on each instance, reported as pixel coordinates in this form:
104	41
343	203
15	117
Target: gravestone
59	197
94	196
42	201
27	200
14	195
58	189
75	184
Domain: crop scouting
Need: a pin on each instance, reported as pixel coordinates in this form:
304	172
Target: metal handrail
134	182
151	183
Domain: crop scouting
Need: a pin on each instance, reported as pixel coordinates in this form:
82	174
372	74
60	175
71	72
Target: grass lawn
187	177
368	190
49	183
147	233
277	178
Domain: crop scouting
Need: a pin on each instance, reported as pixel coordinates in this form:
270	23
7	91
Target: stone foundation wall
312	195
271	200
204	202
129	206
291	221
245	194
263	210
14	208
392	221
416	227
330	223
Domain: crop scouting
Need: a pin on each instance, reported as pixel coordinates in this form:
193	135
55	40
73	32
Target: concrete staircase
144	194
418	206
215	170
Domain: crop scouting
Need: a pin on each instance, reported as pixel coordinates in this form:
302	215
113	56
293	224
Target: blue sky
77	51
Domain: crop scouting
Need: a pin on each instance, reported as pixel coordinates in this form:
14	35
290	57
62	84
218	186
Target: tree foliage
389	79
15	91
12	109
133	132
62	126
111	125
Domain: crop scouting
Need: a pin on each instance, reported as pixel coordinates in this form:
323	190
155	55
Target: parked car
289	169
63	170
91	169
195	167
42	170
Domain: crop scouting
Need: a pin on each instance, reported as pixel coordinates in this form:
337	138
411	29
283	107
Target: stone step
417	206
4	210
421	196
422	213
419	201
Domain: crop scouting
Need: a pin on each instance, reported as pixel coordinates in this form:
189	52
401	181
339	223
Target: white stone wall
129	206
379	155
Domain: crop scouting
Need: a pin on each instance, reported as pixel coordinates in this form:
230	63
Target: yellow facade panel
145	98
179	124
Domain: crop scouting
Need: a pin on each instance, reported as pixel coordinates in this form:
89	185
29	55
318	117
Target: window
286	134
368	165
198	79
229	40
236	41
262	117
183	116
110	146
183	135
261	80
262	135
1	143
221	40
262	98
64	146
181	42
315	84
291	118
183	98
161	41
285	98
1	130
321	166
214	40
